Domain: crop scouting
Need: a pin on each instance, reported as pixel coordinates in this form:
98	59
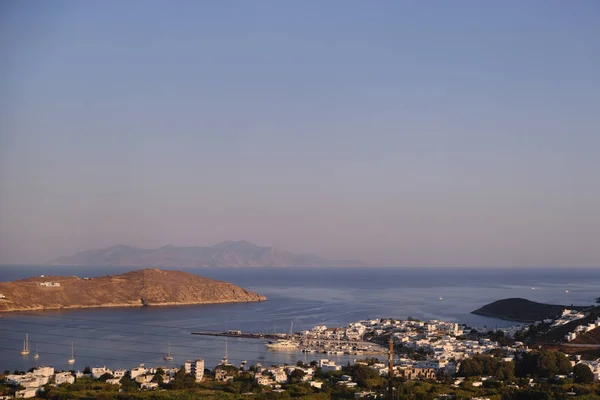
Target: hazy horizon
399	133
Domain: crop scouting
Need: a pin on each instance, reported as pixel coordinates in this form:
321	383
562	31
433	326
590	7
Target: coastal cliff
146	287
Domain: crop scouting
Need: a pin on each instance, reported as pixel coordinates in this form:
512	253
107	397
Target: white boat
169	357
37	355
282	345
225	359
71	360
25	350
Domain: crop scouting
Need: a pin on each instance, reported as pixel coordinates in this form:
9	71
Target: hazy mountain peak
229	253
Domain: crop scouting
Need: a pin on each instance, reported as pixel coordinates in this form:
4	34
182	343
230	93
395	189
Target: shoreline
129	305
489	315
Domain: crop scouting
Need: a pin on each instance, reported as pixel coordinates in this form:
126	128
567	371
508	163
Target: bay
125	337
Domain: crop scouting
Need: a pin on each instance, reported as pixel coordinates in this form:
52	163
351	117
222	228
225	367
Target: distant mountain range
225	254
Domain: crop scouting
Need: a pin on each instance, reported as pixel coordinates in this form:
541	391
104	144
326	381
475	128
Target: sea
127	337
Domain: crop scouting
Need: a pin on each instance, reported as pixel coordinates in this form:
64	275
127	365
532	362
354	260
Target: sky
404	133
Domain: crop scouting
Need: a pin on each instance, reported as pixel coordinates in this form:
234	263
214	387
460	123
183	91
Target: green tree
506	371
182	380
470	367
159	376
365	377
563	363
128	384
297	375
543	363
105	376
583	374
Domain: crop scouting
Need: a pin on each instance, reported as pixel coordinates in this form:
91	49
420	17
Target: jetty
240	334
308	345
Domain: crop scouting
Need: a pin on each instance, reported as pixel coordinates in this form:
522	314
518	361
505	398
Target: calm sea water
125	337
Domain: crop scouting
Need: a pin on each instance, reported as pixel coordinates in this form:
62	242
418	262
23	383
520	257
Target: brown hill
591	337
146	287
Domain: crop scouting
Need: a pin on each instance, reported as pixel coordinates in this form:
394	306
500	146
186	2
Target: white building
263	379
119	373
49	284
196	368
319	329
137	371
29	380
144	378
149	385
97	372
63	377
44	371
279	375
328	365
27	393
571	336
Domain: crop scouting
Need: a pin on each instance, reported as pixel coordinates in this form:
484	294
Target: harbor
305	342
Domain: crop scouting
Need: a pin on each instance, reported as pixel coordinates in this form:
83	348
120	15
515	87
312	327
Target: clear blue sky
399	132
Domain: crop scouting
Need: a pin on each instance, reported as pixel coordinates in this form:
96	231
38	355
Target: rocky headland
146	287
522	310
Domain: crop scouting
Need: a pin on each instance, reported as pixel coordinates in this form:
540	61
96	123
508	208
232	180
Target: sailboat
225	360
72	359
37	355
25	350
168	357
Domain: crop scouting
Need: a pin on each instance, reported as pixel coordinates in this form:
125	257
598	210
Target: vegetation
583	374
487	366
543	364
543	374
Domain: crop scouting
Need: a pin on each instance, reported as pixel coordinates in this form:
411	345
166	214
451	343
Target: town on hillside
422	360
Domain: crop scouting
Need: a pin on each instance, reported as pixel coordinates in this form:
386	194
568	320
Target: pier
308	344
238	334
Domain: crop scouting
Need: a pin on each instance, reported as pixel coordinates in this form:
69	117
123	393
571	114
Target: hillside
147	287
521	310
557	334
225	254
591	337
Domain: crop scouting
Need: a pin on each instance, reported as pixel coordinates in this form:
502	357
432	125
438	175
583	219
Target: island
523	310
225	254
145	287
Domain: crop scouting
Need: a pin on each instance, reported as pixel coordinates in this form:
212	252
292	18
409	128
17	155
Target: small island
146	287
522	310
